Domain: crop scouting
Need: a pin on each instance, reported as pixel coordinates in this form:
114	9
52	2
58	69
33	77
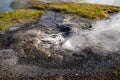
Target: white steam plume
108	2
104	38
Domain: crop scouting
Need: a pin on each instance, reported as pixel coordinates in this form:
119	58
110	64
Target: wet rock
55	39
52	18
8	56
8	61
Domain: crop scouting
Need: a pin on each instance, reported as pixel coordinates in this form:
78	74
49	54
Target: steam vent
59	40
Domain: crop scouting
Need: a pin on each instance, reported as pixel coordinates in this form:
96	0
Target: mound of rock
36	50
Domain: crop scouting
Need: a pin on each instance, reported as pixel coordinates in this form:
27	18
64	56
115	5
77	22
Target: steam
108	2
5	5
103	38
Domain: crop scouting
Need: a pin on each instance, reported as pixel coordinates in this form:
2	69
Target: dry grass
92	11
10	18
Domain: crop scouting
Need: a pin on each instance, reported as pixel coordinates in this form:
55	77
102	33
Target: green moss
116	72
1	28
9	18
93	11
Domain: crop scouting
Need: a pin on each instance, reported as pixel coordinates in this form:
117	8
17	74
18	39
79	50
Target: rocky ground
33	51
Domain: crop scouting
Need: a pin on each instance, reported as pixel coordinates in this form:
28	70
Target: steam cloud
108	2
104	38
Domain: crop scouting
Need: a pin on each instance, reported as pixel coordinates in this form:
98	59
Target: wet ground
34	51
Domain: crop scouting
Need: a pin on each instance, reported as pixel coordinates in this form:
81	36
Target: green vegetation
10	18
86	10
116	72
92	11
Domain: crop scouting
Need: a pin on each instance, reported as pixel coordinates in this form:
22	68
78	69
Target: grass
92	11
116	72
10	18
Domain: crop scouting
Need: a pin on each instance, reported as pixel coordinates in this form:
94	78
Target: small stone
46	45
